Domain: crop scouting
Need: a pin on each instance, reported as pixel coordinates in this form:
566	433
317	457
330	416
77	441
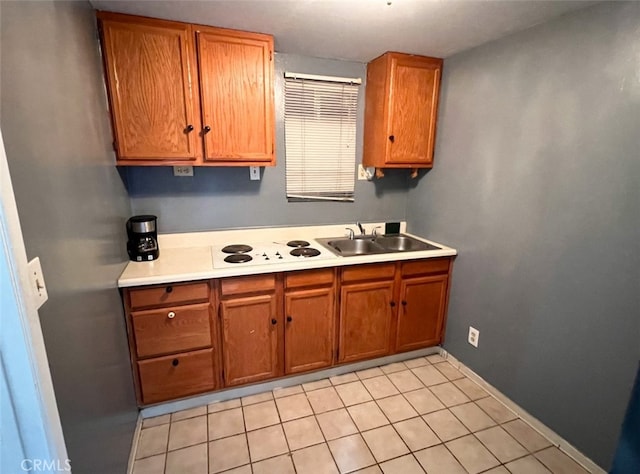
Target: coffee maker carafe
143	238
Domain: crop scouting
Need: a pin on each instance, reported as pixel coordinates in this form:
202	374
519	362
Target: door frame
25	358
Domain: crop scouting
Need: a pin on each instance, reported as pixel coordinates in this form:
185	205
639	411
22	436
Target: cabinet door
149	68
236	75
413	105
421	312
365	320
250	339
309	329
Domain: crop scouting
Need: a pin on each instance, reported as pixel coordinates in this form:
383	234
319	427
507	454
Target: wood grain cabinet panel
401	111
250	338
366	313
150	71
168	295
173	329
421	312
236	77
175	376
309	329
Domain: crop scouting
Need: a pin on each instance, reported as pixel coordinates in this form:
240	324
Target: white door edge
12	245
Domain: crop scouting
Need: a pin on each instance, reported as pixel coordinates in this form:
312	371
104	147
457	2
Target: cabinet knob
171	315
169	289
289	319
274	321
404	303
189	128
392	303
175	362
206	129
392	138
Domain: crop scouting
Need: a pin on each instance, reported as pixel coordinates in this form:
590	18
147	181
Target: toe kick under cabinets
201	336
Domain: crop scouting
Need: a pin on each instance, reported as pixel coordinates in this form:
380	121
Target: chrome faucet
375	231
351	233
360	227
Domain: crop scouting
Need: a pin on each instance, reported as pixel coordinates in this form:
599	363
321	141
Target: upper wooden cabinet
401	111
151	74
186	93
236	88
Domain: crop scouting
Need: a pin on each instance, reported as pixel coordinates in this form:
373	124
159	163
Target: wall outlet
474	336
364	173
183	170
254	173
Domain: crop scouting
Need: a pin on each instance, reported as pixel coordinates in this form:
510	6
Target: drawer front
248	284
173	329
324	276
169	295
170	377
377	271
422	267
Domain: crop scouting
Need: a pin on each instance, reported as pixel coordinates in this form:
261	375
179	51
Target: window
320	137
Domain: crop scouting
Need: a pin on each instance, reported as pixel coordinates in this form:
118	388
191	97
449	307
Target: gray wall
72	206
217	198
536	183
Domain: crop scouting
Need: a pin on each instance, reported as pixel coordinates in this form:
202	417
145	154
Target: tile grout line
559	442
360	432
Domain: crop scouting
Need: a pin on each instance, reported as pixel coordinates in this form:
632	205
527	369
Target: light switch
36	278
254	173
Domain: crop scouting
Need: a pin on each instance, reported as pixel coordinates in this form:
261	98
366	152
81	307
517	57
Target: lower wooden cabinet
193	337
250	338
309	329
365	320
421	312
175	376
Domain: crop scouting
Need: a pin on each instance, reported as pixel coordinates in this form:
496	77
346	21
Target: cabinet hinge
115	145
270	55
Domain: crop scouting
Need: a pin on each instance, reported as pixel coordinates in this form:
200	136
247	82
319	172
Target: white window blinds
320	137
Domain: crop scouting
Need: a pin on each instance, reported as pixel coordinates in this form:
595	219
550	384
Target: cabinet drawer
169	294
166	378
324	276
173	329
369	272
421	267
248	284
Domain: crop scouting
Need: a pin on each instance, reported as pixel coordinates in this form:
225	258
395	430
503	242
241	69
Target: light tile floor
418	416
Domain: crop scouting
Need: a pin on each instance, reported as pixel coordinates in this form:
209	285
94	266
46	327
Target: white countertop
186	257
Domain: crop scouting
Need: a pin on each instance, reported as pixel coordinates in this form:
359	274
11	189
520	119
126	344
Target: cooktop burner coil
237	248
238	258
298	243
305	252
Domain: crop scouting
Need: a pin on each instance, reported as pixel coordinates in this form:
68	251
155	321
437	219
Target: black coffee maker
143	238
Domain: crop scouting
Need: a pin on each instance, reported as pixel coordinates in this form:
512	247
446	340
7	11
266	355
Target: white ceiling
359	30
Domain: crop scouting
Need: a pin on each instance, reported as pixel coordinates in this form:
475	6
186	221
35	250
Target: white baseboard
134	444
532	421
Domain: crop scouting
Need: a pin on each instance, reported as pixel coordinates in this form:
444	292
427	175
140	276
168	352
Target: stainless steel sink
369	245
350	247
403	243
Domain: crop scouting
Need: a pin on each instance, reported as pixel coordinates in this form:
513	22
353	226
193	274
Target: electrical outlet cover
474	336
183	170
